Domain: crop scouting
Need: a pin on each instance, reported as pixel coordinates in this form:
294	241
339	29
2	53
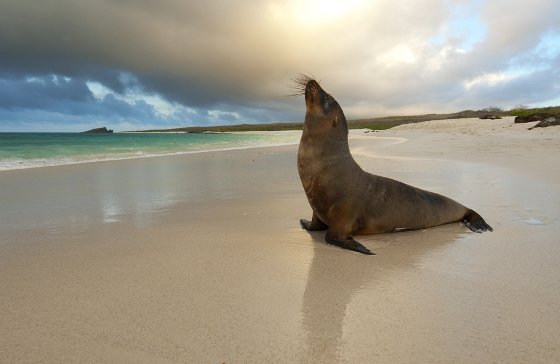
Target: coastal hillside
377	123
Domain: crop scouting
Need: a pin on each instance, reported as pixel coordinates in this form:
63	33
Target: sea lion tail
475	222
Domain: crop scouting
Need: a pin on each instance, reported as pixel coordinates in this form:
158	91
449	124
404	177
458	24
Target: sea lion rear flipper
475	222
347	243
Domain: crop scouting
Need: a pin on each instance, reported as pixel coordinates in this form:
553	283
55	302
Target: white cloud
38	80
220	116
98	90
162	107
489	79
401	53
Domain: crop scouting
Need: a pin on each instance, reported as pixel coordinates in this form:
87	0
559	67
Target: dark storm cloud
189	52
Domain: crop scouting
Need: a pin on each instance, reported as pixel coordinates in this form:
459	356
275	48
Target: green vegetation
387	122
232	128
524	111
380	123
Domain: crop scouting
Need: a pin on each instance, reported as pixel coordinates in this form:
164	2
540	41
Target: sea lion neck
331	127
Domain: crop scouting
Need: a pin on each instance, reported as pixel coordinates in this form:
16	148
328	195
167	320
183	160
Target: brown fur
347	200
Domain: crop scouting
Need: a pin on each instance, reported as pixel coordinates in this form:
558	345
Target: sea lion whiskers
299	83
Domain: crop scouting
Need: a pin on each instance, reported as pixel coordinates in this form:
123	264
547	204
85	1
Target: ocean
30	150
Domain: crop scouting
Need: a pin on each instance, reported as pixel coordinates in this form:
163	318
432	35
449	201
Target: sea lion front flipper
314	225
347	243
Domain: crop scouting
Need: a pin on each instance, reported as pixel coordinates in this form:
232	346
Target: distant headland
378	123
102	130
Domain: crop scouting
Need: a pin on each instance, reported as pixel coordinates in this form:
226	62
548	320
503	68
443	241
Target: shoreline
354	133
41	163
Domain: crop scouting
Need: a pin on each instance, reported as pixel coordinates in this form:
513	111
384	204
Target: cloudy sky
70	65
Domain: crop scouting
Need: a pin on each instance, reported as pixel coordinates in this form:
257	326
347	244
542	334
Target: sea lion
345	199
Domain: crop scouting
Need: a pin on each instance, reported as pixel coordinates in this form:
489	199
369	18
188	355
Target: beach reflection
336	277
84	196
137	192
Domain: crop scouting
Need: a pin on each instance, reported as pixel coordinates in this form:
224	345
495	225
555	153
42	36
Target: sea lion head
318	101
323	111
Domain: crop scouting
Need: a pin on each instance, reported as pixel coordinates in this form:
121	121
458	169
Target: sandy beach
200	258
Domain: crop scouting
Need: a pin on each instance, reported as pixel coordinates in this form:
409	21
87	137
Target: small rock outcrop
530	118
102	130
551	121
490	117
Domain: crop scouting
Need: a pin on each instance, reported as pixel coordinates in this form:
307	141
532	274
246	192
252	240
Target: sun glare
318	11
313	12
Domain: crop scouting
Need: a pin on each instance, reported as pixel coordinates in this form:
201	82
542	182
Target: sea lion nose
312	84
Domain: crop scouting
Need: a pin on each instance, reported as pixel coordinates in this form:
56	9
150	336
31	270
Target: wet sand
200	258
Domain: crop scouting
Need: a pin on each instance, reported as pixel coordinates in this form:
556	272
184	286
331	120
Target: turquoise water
28	150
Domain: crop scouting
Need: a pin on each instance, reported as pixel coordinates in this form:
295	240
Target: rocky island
102	130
